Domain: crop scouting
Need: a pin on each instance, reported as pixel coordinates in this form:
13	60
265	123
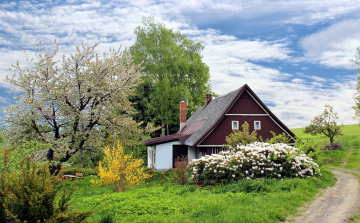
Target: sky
295	55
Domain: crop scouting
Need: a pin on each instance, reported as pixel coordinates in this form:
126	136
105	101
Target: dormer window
257	125
235	125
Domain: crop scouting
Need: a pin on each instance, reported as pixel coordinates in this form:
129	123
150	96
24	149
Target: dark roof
212	113
182	135
205	119
168	138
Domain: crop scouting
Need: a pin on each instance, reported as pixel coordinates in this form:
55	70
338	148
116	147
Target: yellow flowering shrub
121	170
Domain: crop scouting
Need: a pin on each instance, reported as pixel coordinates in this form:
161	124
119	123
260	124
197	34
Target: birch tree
68	103
172	62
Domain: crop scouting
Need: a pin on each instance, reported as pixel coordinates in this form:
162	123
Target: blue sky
293	54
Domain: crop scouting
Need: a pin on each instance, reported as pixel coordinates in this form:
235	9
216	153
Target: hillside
350	140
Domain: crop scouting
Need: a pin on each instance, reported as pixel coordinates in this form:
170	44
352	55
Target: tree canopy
174	72
70	105
325	124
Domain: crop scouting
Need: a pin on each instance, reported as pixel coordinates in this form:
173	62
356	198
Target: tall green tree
325	124
174	72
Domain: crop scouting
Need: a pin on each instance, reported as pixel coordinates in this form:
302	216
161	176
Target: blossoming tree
325	124
68	105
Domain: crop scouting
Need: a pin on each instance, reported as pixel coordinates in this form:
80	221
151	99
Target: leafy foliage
243	137
120	170
253	161
280	138
325	124
174	72
30	195
15	154
69	105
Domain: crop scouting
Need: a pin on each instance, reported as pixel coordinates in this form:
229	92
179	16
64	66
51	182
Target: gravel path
337	203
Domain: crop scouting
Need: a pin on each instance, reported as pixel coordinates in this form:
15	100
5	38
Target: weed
180	173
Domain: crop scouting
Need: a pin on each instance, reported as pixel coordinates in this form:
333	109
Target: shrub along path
337	203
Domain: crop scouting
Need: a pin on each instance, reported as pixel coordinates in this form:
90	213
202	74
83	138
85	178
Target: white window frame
255	125
237	124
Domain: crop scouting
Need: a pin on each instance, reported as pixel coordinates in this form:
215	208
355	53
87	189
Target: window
234	124
154	157
257	125
216	150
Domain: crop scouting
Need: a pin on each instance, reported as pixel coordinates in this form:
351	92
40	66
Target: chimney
182	115
208	99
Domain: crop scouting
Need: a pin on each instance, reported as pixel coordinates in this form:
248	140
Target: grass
261	200
349	140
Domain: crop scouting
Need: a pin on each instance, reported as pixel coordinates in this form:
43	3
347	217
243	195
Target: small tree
325	124
243	137
120	170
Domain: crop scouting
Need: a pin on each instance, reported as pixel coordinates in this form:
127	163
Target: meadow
260	200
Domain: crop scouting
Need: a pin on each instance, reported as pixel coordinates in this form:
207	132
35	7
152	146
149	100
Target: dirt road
337	203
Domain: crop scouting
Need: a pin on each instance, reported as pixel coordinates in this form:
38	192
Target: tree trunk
331	143
55	168
81	158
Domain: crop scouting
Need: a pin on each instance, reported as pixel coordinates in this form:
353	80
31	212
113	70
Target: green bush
29	195
85	171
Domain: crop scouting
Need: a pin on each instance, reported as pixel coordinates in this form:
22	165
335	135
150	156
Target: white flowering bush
252	161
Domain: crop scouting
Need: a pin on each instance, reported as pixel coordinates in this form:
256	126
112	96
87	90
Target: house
205	131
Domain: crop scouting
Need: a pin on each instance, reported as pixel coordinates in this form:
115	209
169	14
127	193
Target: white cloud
333	46
296	102
3	100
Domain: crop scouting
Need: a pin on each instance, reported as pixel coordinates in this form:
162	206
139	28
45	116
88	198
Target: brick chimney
182	114
208	99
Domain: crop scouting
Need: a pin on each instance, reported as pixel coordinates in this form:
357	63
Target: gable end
247	104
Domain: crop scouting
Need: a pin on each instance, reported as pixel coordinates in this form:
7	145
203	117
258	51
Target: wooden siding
217	137
246	105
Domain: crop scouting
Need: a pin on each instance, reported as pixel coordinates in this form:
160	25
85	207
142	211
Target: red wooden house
205	131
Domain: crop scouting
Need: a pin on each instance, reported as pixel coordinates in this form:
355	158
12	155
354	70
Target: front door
179	151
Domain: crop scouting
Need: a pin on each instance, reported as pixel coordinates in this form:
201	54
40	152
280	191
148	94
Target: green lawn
262	200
